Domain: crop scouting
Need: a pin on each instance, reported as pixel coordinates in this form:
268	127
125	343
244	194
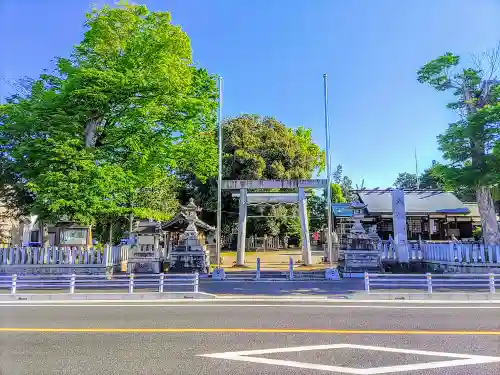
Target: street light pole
328	174
219	179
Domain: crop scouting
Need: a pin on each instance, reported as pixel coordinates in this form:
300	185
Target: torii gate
240	188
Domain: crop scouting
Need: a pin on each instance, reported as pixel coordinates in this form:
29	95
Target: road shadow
282	288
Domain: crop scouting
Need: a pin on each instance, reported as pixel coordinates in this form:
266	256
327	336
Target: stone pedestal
218	274
332	274
143	266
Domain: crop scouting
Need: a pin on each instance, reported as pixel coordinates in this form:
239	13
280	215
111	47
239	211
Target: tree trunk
111	233
90	132
491	233
44	231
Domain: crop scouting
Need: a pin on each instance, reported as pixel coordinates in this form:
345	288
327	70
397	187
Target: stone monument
361	250
144	253
399	224
190	254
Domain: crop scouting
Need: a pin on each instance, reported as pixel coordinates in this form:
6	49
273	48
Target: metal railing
431	283
258	274
117	283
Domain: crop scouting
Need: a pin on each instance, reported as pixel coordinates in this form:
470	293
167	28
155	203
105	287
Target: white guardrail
73	283
433	282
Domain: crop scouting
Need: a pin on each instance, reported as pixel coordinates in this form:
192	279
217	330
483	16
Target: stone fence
38	260
449	254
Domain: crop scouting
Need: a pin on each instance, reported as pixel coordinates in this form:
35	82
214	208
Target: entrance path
271	260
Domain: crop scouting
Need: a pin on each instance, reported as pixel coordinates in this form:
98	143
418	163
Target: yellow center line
247	330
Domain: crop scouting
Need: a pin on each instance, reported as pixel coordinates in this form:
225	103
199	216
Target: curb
107	297
213	302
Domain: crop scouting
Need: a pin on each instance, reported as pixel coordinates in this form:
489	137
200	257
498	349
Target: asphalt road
171	338
282	288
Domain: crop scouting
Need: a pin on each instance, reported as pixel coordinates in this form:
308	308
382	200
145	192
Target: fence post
162	280
257	271
429	282
14	284
492	283
367	282
196	281
131	283
72	284
290	268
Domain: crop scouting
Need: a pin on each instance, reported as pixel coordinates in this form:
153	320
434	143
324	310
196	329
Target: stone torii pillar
242	228
304	226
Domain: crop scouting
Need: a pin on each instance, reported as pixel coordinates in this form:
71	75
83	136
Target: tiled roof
417	202
180	222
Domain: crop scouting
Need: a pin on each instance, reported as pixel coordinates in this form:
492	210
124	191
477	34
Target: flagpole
219	178
416	169
328	174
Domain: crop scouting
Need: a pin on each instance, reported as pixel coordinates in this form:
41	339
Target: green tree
406	180
431	180
427	180
109	130
337	193
347	189
337	175
317	208
263	148
258	148
468	144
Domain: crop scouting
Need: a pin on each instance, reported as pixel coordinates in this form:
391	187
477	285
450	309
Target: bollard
429	282
367	283
162	281
492	283
14	284
196	281
257	271
131	283
72	284
290	268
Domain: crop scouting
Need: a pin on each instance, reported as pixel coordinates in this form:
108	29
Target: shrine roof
146	227
416	202
180	222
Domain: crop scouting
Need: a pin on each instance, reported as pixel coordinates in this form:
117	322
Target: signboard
342	210
399	225
273	184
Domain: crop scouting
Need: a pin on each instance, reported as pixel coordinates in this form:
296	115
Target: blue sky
272	55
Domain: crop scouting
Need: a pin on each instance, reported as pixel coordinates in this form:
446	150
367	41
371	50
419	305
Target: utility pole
219	179
416	169
328	174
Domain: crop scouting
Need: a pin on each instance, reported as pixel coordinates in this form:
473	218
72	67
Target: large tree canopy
108	130
259	148
426	180
469	144
318	218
